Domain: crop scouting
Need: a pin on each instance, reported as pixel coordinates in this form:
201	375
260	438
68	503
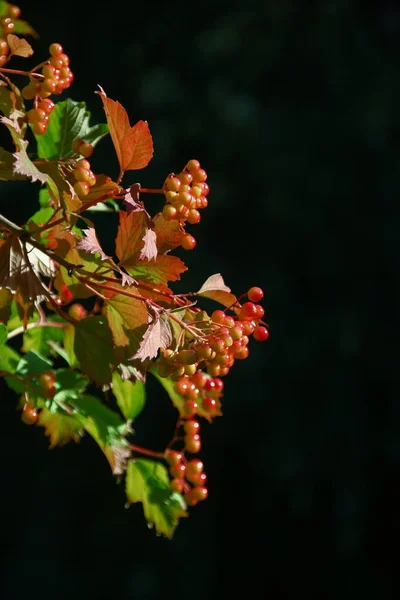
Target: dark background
293	109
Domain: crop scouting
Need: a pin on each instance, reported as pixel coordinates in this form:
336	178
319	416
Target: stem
146	451
18	72
22	329
151	190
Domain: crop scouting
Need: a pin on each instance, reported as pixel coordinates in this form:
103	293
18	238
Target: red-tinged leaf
158	335
104	188
139	146
160	270
147	481
215	289
91	244
129	240
19	46
162	294
11	100
24	166
131	198
133	145
128	320
7	172
93	346
16	274
169	234
149	250
60	427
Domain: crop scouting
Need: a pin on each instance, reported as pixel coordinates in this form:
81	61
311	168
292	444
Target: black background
293	109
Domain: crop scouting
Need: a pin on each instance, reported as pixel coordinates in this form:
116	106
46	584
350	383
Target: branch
22	329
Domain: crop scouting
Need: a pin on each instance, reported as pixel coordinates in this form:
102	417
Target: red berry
177	485
192	166
188	242
192	443
173	457
77	311
197	478
255	294
248	311
209	404
29	415
260	311
187	357
55	49
86	150
199	492
65	294
191	426
261	333
178	470
194	467
81	188
46	105
189	409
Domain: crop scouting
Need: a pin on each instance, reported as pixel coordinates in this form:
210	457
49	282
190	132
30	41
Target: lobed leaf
19	46
129	241
162	269
147	482
60	427
214	288
133	145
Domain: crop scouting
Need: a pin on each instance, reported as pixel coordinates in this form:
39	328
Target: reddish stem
151	190
146	451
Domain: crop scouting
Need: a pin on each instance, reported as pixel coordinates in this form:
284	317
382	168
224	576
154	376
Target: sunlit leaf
147	481
215	289
160	270
133	145
131	230
60	427
19	46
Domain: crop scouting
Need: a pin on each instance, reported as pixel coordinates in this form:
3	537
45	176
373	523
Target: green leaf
36	339
9	359
43	215
93	346
148	482
107	429
60	427
44	197
130	395
69	385
33	362
3	334
69	121
128	320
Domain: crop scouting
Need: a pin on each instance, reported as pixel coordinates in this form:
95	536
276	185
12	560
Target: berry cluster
7	26
56	76
188	476
83	176
224	339
185	195
197	369
38	117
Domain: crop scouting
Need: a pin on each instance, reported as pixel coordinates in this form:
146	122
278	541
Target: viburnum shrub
94	327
